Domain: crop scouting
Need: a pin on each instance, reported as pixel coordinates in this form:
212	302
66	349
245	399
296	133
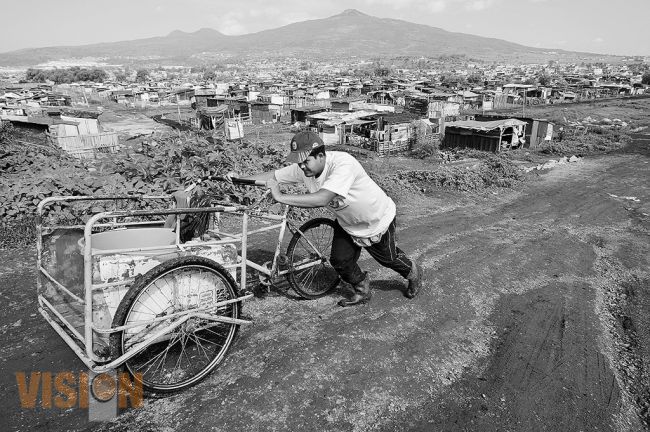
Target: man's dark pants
345	254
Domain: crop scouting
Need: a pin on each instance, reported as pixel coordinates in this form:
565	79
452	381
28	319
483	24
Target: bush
32	172
592	140
425	151
493	170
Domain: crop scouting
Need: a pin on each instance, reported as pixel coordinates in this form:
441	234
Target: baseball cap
302	144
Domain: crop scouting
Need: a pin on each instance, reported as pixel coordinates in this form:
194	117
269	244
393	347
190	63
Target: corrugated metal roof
485	126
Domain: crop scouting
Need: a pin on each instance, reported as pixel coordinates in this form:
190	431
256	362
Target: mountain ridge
349	33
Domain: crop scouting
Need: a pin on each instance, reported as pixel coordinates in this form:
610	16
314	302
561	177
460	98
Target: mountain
350	33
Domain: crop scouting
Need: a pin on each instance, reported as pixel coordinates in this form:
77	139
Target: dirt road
534	317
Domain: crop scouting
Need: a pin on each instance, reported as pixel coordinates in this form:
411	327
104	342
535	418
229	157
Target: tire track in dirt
559	314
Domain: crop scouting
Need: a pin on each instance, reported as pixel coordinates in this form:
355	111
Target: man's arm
310	200
265	176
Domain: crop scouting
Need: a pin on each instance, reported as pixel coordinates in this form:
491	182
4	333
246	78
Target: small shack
211	117
492	136
537	130
345	104
394	132
299	114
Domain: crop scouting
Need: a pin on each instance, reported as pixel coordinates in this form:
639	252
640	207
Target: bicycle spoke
164	354
312	246
199	345
190	351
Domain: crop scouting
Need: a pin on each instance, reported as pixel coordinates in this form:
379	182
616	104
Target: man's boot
415	281
361	294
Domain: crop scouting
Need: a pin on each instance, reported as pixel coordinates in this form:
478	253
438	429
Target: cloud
599	40
395	4
433	6
293	17
230	23
436	6
479	5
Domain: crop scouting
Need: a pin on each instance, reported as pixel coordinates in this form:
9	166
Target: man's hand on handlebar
231	175
182	198
274	187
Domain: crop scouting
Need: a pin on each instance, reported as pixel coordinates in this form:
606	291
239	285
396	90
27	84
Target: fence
87	146
386	148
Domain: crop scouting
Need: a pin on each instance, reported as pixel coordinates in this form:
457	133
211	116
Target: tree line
64	76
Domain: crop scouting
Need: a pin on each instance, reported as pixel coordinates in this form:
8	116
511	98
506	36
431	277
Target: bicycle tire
318	280
195	334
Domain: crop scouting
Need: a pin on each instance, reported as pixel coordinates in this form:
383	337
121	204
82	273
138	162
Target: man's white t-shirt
361	207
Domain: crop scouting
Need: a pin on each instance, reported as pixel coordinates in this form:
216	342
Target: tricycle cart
126	291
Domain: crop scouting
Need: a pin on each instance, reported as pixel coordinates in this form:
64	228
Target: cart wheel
314	248
185	355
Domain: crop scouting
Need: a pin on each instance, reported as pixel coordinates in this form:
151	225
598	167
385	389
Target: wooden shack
537	130
491	136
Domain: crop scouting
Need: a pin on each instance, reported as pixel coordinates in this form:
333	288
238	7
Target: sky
598	26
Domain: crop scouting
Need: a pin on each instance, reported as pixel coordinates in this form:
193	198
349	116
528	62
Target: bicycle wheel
308	254
188	353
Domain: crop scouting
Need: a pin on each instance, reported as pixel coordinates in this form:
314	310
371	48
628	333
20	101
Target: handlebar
238	181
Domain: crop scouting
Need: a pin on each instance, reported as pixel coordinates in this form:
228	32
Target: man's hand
274	186
231	175
182	198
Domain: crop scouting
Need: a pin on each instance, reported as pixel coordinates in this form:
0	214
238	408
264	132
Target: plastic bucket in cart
129	240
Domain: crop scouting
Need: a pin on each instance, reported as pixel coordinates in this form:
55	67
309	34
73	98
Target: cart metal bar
172	315
94	366
108	225
71	343
141	249
49	200
59	285
256	231
208	242
43	302
222	319
278	247
258	267
140	346
174	211
303	236
88	282
268	228
125	281
244	247
162	247
268	216
300	267
234	236
39	248
102	198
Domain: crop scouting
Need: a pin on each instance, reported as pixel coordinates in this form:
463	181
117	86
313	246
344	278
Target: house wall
438	109
331	135
86	126
465	138
64	130
399	133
